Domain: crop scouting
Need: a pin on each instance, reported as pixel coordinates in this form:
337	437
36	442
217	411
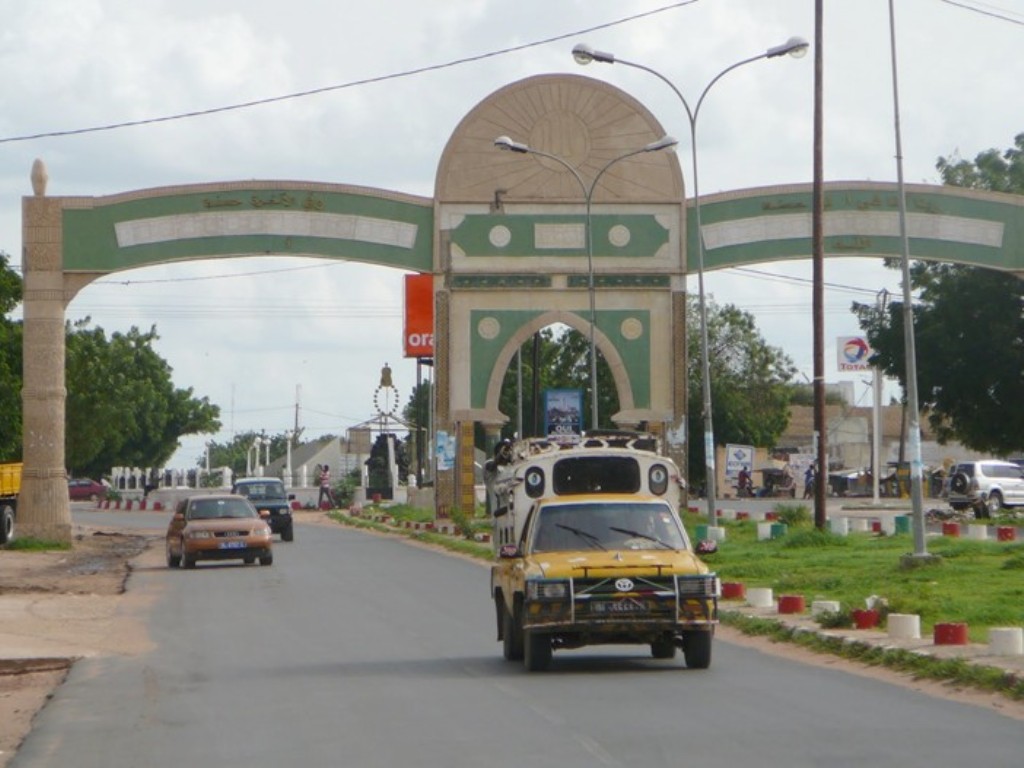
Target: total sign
418	333
854	353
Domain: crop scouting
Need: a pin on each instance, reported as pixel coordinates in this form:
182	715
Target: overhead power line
987	10
344	86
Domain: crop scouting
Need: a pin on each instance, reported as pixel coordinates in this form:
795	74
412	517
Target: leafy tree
562	362
10	363
969	380
122	407
968	329
750	382
991	170
378	467
417	414
239	455
417	410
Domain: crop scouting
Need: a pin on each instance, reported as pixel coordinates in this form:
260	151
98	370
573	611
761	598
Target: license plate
231	545
627	605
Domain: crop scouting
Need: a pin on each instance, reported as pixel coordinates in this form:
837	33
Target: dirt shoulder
56	607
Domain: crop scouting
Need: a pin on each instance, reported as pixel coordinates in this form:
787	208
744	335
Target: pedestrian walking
325	488
809	482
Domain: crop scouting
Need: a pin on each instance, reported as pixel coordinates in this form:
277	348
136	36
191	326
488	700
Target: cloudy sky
386	83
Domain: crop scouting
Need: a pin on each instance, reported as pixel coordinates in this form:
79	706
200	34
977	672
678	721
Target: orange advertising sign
418	333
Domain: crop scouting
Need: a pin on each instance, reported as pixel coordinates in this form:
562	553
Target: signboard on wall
418	330
738	457
563	412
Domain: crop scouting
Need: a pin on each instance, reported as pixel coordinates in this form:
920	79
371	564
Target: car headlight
264	531
547	590
200	534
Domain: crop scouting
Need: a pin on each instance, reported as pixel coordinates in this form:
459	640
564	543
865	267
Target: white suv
987	486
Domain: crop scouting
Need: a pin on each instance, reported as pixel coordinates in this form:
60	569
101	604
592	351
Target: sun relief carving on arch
584	121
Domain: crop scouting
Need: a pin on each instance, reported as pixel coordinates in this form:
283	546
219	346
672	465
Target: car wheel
994	504
697	649
511	636
187	560
664	648
6	525
288	534
536	651
173	560
249	559
959	483
267	558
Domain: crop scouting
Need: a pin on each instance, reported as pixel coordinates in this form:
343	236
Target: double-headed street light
795	47
665	142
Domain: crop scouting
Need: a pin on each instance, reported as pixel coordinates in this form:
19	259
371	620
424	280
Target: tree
417	414
378	466
10	363
122	407
969	338
563	362
239	455
750	382
968	329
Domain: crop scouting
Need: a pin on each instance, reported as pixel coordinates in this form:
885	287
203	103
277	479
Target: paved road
363	651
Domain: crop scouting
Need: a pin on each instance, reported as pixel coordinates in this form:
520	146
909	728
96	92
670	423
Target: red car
84	489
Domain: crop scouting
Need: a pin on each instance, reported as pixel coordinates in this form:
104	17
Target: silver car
987	486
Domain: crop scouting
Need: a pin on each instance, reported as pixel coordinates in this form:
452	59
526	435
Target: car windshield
213	509
607	525
271	489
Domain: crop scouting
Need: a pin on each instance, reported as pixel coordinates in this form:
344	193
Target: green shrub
793	515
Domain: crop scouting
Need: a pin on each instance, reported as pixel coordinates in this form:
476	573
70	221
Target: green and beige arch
983	229
70	241
505	238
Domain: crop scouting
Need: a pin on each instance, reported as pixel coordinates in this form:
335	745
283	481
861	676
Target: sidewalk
973	653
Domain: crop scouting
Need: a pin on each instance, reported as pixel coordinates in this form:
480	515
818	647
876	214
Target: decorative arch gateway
70	241
512	255
504	237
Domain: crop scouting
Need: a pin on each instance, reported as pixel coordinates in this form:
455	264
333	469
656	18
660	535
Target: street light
665	142
795	47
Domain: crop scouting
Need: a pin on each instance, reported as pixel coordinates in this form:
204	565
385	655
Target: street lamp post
795	47
665	142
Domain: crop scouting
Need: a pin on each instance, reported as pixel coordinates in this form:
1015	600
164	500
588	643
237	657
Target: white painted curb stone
760	597
1006	641
904	625
977	532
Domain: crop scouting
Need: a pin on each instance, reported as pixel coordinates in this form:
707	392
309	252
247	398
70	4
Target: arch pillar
44	510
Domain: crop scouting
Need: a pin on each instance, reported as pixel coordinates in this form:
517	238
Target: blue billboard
563	412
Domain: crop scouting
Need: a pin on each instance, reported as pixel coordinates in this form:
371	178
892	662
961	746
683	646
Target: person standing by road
744	486
809	476
325	488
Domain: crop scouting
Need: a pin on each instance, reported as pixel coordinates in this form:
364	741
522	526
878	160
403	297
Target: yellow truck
10	485
590	550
